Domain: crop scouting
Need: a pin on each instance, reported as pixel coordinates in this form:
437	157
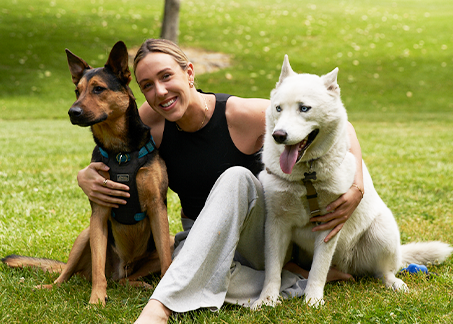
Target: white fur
369	242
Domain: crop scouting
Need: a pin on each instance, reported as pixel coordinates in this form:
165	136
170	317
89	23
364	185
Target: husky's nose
280	136
75	112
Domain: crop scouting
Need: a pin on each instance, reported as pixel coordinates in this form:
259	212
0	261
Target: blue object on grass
414	268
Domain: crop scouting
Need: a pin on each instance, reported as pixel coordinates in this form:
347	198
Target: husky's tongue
289	157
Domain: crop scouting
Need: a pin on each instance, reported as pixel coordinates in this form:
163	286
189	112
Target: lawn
395	60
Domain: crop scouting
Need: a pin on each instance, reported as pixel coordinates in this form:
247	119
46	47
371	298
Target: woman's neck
197	115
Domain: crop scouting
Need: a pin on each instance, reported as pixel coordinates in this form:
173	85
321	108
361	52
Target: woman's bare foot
154	312
337	275
333	275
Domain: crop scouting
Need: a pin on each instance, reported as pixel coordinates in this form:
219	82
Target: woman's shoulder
240	110
246	121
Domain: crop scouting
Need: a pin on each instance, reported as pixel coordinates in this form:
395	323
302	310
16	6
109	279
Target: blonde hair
165	46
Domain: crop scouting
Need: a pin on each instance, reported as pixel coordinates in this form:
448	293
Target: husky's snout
280	136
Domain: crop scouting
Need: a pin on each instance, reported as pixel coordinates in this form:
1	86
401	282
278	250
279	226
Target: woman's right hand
105	193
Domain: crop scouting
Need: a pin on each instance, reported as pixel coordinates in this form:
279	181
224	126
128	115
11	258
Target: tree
170	24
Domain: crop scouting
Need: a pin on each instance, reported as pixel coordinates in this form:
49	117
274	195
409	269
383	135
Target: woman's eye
278	108
146	86
304	108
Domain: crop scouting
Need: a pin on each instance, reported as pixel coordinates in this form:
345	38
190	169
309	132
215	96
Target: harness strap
312	195
125	157
137	217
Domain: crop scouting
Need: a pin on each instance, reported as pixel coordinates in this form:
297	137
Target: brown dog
125	243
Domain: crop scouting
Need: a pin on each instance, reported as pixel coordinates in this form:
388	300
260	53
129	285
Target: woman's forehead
155	63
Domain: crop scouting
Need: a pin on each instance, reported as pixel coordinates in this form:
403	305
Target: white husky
306	134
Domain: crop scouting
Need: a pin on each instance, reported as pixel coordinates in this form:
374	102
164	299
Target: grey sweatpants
220	257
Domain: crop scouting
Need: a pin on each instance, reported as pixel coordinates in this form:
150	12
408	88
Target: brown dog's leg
160	230
98	242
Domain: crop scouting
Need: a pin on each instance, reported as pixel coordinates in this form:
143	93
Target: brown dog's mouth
293	153
79	118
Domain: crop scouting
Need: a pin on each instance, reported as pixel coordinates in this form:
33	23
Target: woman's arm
246	118
344	206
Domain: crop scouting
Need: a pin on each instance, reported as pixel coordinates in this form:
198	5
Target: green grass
395	60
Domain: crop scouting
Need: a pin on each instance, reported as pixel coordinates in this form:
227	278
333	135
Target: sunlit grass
395	60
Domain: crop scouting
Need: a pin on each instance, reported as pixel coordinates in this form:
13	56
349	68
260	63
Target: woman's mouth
168	103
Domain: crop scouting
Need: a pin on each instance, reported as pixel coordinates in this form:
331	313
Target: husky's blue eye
304	108
278	108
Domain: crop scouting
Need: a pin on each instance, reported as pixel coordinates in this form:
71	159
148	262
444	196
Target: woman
210	143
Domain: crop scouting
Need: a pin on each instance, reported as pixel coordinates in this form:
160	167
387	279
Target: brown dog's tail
19	261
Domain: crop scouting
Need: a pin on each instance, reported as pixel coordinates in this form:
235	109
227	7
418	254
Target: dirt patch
203	61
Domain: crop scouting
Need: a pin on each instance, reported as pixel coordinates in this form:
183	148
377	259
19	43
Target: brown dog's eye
98	90
77	93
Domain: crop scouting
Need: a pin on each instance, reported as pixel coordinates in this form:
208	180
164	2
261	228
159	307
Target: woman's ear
190	73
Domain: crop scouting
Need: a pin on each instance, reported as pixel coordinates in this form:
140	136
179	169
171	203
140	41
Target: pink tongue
288	158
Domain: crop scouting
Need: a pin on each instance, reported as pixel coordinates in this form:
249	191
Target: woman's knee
240	175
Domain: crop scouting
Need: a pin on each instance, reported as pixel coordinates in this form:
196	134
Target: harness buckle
123	158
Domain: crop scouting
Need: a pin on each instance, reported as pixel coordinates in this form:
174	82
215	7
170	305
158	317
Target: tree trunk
170	24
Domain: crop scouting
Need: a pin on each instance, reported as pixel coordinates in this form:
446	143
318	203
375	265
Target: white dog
306	138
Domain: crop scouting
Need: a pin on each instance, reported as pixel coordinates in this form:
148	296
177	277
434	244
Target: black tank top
196	160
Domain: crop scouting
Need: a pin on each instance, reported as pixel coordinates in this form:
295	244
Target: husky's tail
426	253
19	261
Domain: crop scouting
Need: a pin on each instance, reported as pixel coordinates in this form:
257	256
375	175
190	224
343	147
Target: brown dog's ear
119	62
76	66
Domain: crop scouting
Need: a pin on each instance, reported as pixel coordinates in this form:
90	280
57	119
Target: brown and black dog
122	244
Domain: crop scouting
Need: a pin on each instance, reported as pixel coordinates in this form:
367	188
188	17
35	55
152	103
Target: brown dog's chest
131	242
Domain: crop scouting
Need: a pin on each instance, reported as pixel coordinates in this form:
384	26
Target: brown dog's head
102	93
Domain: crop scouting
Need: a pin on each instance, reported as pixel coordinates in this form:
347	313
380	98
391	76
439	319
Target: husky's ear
76	66
330	81
118	62
286	71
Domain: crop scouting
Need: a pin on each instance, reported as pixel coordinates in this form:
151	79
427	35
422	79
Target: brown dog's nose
280	136
75	112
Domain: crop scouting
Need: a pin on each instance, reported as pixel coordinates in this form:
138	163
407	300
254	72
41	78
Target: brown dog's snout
76	115
75	112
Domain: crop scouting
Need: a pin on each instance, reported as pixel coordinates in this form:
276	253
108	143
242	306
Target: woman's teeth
168	103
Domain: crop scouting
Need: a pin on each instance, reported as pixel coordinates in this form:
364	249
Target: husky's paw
266	301
314	300
399	286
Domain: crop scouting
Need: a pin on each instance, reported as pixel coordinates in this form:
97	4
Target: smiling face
165	84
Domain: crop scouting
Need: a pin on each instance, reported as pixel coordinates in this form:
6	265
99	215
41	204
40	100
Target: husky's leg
387	264
278	237
379	251
322	259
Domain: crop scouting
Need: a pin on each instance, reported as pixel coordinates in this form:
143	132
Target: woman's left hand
338	212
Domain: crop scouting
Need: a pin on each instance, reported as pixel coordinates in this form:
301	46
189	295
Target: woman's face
165	84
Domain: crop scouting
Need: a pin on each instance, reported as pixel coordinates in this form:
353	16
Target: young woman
210	143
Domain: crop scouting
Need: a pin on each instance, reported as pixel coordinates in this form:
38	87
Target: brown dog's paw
44	286
96	300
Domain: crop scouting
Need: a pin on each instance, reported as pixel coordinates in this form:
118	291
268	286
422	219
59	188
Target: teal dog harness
123	169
